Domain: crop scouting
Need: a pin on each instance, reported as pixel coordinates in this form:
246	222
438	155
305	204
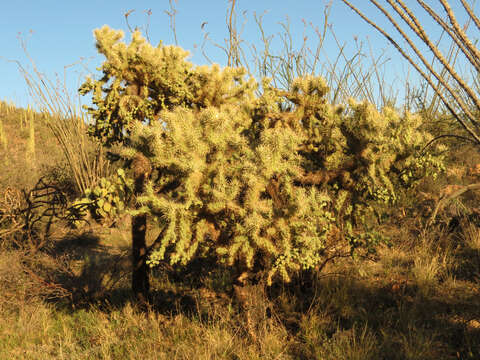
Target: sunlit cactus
263	180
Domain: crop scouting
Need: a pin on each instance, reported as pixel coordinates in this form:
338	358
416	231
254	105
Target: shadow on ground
401	317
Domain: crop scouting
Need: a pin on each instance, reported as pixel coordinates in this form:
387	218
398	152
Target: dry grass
471	236
409	304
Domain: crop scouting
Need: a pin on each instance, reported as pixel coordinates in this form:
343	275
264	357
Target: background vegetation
65	256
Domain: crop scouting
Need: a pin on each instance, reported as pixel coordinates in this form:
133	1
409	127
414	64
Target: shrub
262	178
104	202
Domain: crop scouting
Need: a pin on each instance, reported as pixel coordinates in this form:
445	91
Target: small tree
274	183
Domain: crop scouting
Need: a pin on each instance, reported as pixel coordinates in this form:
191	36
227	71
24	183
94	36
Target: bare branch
469	10
473	60
430	68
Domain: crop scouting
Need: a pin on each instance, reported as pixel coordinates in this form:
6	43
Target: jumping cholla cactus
263	180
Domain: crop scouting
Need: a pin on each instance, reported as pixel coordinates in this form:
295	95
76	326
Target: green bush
104	202
262	177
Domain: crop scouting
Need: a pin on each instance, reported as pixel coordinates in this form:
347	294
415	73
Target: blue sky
59	33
